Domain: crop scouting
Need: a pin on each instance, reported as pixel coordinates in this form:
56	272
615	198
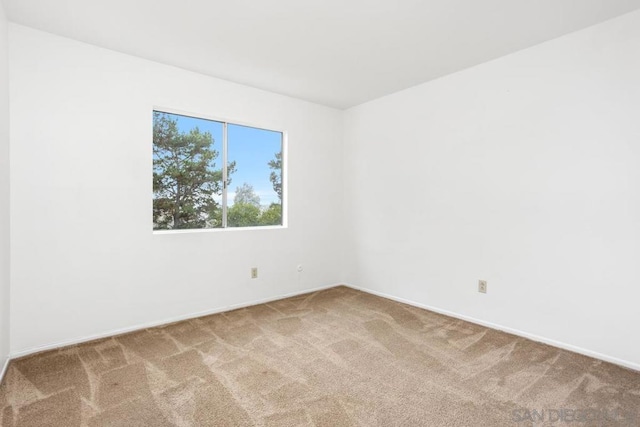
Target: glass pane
187	172
255	192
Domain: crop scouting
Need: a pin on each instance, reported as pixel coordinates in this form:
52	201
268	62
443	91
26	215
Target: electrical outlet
482	286
254	272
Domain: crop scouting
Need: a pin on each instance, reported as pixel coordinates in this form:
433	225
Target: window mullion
224	175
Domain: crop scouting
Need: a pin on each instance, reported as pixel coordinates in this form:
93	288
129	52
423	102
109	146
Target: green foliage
185	177
272	216
246	211
243	215
276	174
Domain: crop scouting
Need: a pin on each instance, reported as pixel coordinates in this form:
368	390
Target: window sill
220	230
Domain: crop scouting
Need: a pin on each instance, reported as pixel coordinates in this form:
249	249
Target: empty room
319	213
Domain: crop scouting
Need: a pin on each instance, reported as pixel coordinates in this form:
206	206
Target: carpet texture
337	357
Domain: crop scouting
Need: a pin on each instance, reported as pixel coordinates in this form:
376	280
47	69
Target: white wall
84	258
4	190
524	171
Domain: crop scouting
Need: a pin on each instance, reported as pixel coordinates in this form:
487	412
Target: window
212	174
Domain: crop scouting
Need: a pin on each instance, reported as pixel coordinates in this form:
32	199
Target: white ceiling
337	53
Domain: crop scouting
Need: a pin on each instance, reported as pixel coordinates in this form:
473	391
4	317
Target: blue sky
251	148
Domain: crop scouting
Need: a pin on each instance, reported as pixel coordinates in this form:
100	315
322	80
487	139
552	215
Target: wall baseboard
5	366
115	332
532	337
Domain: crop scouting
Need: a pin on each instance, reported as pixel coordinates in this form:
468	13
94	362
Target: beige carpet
332	358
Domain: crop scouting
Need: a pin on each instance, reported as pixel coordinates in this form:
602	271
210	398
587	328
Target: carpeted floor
338	357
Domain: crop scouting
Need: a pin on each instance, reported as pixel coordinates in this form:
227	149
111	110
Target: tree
245	211
243	215
185	177
246	194
276	174
272	215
